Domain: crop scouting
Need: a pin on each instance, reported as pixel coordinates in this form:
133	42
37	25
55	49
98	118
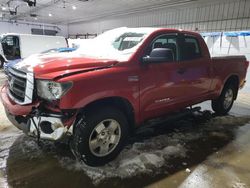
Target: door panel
195	78
196	70
159	82
160	87
167	87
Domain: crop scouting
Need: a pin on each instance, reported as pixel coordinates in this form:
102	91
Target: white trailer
19	46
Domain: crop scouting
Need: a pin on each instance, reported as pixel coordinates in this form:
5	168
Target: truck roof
154	29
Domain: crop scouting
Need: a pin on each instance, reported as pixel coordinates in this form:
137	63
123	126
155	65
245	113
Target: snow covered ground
166	150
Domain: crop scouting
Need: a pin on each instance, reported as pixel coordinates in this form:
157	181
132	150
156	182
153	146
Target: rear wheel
99	137
224	103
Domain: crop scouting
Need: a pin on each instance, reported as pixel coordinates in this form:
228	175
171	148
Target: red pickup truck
99	94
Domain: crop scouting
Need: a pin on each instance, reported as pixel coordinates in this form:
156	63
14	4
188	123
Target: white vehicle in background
19	46
2	58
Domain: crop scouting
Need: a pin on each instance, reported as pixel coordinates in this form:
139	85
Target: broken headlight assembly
51	90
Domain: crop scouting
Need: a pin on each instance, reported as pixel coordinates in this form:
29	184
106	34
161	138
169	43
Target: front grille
20	86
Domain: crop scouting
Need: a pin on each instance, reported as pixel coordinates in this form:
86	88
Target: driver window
166	41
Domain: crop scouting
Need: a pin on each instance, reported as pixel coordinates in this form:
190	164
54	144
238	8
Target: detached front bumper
48	125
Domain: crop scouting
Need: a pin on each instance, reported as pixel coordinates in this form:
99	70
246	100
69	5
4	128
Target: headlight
51	90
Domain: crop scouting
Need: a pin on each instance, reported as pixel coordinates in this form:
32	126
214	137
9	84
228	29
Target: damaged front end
41	123
50	125
38	120
36	117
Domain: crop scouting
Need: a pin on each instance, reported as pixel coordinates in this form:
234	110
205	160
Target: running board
171	117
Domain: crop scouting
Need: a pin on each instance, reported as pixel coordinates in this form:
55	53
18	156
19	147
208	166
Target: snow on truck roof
149	30
144	29
119	43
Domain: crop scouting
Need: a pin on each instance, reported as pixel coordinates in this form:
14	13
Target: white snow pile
136	159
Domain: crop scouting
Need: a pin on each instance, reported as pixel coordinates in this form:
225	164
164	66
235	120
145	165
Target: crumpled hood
57	65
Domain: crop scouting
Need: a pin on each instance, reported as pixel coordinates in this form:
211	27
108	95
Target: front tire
100	137
223	104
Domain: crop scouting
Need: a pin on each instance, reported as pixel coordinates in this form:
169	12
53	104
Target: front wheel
100	136
224	103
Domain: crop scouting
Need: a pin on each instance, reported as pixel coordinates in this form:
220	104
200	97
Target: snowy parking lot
190	152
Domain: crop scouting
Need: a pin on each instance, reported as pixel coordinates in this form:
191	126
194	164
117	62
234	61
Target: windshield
117	44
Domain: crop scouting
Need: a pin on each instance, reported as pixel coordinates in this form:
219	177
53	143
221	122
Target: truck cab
183	79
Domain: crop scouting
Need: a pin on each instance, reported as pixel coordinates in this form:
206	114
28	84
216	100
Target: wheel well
235	81
118	102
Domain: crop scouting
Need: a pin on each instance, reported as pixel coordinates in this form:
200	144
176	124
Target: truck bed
229	65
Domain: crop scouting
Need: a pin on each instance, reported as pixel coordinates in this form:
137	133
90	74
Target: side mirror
159	55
